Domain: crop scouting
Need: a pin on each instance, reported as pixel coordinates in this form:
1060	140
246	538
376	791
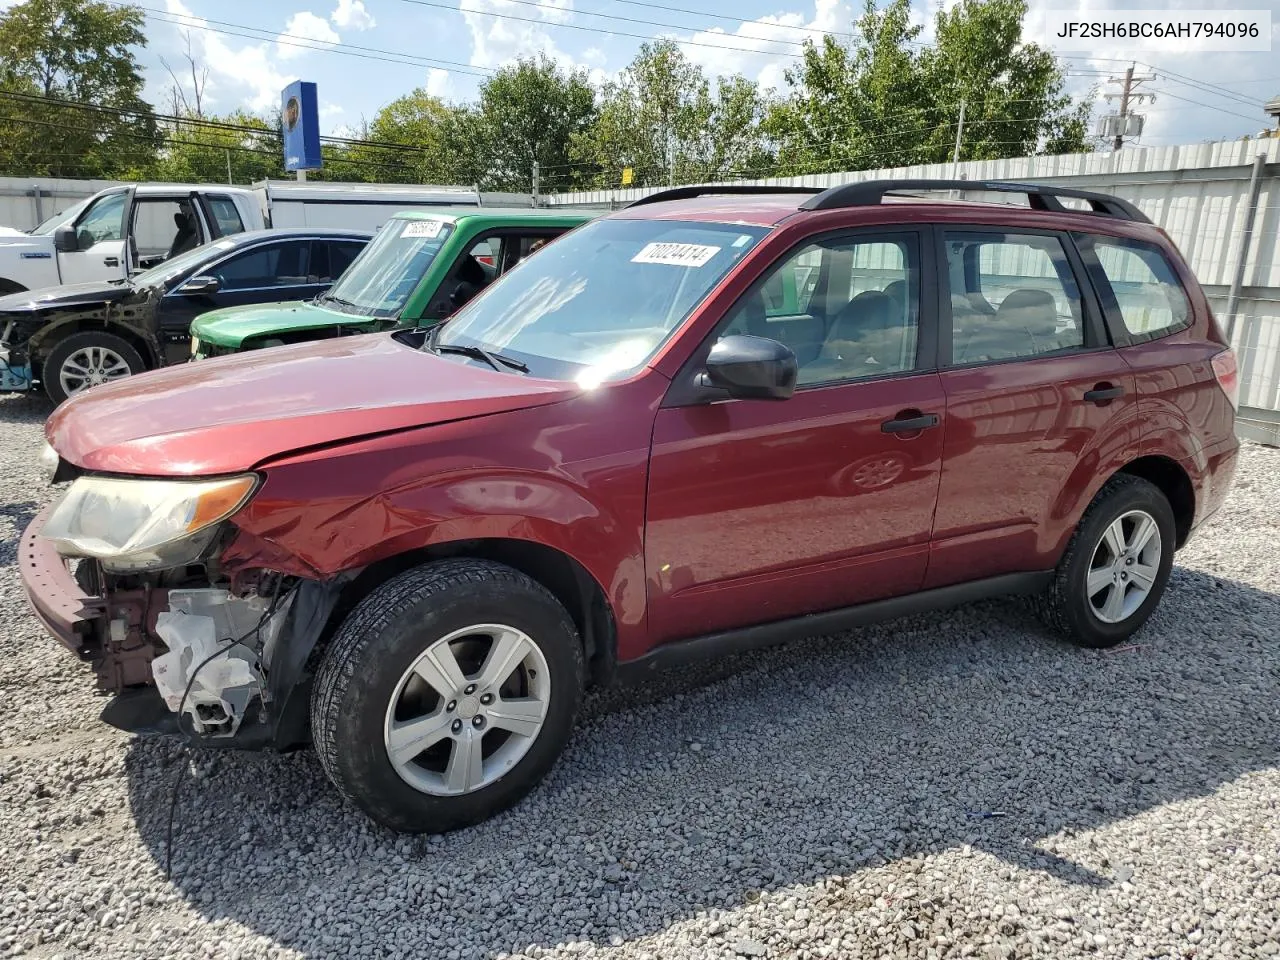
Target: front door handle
910	424
1103	393
111	261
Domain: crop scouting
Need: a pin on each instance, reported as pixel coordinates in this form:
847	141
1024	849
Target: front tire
1116	567
447	695
86	359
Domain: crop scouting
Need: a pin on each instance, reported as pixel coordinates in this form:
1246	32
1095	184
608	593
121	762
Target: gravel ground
822	800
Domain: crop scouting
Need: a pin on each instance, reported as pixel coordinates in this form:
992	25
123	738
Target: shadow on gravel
24	407
773	769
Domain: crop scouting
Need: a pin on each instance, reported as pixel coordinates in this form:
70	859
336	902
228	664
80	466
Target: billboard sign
300	119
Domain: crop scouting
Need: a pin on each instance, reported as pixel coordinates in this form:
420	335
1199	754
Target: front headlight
195	345
143	524
48	461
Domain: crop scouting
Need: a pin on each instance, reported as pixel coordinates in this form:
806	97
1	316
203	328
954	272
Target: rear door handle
1102	393
111	261
909	424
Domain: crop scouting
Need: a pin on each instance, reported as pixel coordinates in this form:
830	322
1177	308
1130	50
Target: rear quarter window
1139	286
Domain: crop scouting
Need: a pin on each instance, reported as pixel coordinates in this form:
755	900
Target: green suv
420	268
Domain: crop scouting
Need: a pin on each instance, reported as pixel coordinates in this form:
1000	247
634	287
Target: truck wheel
1115	568
86	359
447	695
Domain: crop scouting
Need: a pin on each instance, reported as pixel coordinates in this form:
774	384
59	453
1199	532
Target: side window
273	265
1145	289
102	222
471	273
225	213
1012	295
518	247
848	308
163	227
341	253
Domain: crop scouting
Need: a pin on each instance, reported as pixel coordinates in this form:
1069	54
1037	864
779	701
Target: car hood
233	413
70	295
231	326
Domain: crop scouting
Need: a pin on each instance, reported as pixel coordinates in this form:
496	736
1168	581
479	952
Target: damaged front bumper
224	667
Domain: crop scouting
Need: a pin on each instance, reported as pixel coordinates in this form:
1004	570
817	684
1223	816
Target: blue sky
449	46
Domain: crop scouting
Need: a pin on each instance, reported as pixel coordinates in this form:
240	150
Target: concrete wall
1198	193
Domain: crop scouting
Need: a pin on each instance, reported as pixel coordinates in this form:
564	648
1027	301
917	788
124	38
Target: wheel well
130	336
8	286
1174	483
568	581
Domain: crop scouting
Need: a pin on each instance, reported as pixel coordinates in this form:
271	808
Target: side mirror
752	368
200	286
65	240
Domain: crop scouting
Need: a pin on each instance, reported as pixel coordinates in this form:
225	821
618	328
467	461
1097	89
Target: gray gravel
814	801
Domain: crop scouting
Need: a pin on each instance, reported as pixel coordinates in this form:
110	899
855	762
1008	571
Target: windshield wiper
480	353
330	298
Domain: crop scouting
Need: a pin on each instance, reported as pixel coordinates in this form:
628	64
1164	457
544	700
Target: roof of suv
767	206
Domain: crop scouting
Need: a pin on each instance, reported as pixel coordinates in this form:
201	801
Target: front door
101	250
270	272
1033	388
763	510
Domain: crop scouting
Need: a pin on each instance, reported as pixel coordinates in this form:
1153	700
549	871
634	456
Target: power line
1211	106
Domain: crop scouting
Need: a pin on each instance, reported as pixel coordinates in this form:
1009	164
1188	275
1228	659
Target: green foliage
531	111
887	100
203	151
661	119
54	53
883	99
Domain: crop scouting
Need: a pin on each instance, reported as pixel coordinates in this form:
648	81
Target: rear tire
415	670
104	355
1115	569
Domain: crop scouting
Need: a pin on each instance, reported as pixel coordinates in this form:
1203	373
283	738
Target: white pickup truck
123	229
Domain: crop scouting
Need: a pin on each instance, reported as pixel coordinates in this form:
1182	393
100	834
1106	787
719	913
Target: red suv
719	418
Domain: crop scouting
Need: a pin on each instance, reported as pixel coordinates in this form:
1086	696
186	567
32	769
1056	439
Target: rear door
1035	393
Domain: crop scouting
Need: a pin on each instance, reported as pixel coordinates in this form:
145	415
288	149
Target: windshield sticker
422	228
743	240
676	254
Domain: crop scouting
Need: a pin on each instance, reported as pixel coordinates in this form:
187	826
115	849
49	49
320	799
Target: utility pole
955	156
1119	125
228	153
535	183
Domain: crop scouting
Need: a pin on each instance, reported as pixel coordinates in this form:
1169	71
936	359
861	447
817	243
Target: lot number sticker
676	254
422	228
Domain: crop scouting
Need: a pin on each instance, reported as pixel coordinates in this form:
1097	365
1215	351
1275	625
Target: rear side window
224	211
1012	295
1144	289
272	265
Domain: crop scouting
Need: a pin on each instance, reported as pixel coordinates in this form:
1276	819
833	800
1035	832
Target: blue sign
301	122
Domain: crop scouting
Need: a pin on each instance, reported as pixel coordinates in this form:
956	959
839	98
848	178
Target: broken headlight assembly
138	525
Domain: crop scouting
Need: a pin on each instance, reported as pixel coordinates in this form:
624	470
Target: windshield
163	273
380	280
598	303
58	219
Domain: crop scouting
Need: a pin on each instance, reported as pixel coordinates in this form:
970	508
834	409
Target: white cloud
304	26
330	110
762	49
497	40
438	82
352	15
251	68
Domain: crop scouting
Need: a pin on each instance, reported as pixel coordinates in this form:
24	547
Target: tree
887	100
531	111
438	143
71	90
237	148
660	119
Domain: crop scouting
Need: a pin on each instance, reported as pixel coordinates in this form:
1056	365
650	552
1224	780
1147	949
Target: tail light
1224	368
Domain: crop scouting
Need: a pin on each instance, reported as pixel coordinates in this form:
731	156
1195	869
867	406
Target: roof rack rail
728	189
1039	196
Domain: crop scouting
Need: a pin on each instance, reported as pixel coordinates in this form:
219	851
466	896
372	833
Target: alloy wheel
1124	566
467	709
89	367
